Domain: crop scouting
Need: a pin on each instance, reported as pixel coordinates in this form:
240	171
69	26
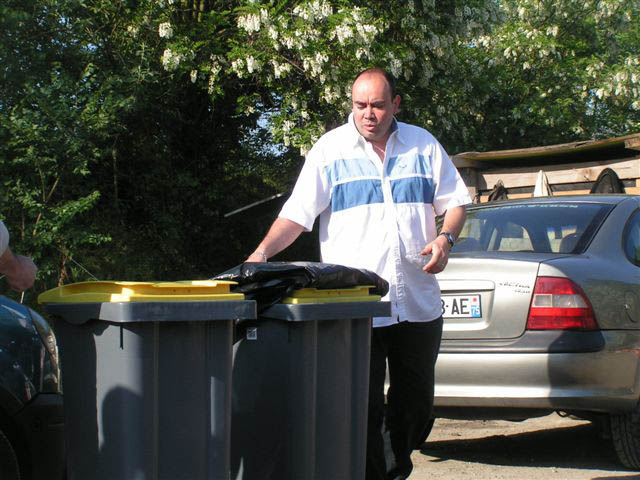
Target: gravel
551	447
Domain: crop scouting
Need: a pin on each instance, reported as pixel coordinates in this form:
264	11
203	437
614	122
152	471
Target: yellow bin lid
339	295
103	291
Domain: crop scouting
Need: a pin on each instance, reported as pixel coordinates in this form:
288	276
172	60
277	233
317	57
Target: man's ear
396	104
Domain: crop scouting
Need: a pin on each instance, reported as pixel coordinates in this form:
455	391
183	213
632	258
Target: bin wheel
9	466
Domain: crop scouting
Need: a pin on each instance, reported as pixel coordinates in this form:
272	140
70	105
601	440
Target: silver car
541	300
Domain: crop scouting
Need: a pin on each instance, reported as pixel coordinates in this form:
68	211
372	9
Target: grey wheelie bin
301	387
146	373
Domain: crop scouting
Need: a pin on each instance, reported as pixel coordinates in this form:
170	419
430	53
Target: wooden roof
619	147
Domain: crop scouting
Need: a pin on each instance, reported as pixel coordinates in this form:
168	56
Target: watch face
449	238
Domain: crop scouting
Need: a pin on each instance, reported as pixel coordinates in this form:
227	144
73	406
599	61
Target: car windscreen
563	227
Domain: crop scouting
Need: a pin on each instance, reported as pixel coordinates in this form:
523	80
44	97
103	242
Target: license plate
461	306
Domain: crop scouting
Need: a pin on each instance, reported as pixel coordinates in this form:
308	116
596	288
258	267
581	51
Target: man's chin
370	134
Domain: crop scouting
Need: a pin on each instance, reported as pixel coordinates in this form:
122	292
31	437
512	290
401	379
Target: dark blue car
31	407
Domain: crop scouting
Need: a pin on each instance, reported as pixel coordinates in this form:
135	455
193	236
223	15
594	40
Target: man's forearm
439	248
454	220
282	233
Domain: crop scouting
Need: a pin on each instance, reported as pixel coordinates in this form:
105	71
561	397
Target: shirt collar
356	138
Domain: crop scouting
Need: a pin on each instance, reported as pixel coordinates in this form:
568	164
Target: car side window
631	238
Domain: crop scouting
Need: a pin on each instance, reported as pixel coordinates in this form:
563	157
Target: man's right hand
257	257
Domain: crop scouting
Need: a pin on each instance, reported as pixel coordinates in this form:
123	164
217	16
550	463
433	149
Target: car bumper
42	427
559	371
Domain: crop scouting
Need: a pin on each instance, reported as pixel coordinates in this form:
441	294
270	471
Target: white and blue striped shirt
373	213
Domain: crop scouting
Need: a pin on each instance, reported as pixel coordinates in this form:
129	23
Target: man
377	185
19	270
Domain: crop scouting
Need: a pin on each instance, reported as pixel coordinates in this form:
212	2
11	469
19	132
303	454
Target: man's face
373	108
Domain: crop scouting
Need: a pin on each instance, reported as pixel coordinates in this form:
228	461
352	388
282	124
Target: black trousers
411	350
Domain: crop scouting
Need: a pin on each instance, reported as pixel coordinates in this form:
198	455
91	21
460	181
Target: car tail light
560	304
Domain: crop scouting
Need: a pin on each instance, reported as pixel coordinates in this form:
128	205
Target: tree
554	72
296	59
46	151
108	160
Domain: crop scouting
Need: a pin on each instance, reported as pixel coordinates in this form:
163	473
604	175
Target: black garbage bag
268	283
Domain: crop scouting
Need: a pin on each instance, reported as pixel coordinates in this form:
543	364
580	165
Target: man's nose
368	112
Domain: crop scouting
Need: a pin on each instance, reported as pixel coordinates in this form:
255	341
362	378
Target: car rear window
562	227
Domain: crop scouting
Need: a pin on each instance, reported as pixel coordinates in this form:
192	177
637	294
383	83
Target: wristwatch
450	238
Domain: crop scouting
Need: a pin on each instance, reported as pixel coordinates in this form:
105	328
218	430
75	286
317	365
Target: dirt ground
546	448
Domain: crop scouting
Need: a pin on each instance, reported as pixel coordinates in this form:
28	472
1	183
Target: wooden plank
627	190
632	143
565	173
572	192
471	158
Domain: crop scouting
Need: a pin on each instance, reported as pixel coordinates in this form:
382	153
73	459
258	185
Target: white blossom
313	11
250	23
343	32
366	32
171	59
287	125
238	67
165	30
194	76
330	95
396	67
288	42
280	69
252	64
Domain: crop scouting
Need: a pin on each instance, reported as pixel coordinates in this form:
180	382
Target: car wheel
625	433
9	466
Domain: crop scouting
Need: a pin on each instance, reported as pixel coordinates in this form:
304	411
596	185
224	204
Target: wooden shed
570	168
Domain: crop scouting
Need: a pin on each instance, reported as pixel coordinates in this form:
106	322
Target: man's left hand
439	250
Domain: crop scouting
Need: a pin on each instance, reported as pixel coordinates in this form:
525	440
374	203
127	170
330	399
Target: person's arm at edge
439	248
19	270
282	233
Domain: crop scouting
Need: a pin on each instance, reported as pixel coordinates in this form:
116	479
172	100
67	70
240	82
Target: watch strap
450	238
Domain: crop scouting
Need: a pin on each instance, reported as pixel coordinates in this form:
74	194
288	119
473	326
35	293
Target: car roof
585	198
